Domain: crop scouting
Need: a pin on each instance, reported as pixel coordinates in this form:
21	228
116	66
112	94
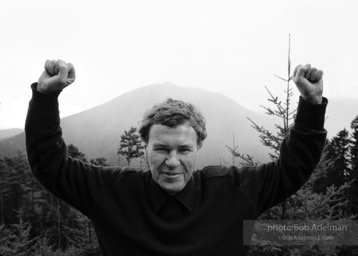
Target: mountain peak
105	123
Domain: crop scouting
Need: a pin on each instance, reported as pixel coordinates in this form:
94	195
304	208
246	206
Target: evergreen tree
130	145
354	165
5	190
74	152
100	161
339	151
354	148
15	239
16	188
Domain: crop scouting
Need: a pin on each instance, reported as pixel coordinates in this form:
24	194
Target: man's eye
184	150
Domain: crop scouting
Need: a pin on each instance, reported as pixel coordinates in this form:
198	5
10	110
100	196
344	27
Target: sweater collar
185	196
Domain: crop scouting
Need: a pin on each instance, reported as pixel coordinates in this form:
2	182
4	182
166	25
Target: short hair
172	113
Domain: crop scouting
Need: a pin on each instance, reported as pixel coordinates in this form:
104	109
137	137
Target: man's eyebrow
159	145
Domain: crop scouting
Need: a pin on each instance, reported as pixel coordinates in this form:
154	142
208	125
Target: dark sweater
132	215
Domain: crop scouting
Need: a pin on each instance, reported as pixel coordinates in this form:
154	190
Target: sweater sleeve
84	186
300	152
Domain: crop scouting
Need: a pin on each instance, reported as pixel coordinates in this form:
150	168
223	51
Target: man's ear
199	145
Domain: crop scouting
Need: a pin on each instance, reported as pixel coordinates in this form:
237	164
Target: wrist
43	94
39	87
314	99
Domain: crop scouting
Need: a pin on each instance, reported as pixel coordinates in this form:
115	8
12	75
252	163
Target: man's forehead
160	133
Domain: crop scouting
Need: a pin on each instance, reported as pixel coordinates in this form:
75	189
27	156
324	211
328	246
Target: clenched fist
56	76
309	82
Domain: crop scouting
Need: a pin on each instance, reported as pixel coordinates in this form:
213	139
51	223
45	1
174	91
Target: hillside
8	133
105	123
97	131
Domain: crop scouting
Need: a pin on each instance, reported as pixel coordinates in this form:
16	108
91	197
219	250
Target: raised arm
82	185
300	151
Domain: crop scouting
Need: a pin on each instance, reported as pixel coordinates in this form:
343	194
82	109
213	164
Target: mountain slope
104	124
97	131
8	133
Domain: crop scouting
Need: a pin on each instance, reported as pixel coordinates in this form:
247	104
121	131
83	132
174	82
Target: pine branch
248	160
281	78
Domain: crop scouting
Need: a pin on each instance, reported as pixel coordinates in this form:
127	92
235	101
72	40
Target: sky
231	47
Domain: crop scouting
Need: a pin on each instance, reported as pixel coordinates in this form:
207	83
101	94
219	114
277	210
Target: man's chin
172	189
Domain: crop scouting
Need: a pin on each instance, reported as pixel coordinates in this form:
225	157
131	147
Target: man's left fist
309	82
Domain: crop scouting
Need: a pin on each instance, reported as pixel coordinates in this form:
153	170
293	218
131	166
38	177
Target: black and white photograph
179	128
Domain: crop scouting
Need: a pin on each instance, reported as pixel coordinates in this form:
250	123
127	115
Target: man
171	209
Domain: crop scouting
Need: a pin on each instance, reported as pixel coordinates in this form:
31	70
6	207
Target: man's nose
172	160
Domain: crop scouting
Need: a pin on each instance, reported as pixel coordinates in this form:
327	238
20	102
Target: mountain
7	133
12	141
105	124
97	131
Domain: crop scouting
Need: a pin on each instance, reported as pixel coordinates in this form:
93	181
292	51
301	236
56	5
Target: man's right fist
56	76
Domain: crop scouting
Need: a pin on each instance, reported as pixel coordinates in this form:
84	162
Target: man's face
172	155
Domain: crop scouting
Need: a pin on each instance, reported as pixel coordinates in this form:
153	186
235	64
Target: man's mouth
171	175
